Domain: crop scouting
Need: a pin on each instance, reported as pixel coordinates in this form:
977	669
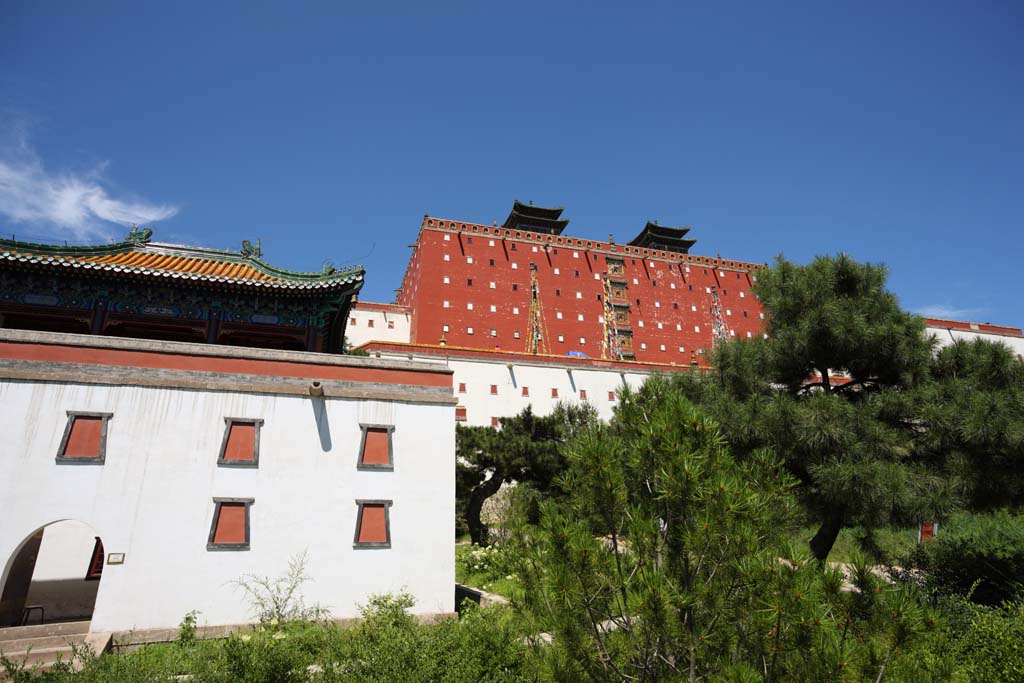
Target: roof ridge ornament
138	236
250	250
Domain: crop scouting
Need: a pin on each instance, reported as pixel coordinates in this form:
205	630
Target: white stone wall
510	377
153	497
946	336
391	326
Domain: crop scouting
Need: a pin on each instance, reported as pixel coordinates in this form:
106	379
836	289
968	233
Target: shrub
980	556
992	650
491	562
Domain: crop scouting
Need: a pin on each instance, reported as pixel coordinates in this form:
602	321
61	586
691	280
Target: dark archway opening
54	576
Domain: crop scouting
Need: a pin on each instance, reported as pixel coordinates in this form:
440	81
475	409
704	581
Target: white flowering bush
491	563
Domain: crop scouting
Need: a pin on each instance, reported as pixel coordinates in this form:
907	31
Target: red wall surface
662	287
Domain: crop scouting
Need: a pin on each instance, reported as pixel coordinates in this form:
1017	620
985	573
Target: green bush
981	556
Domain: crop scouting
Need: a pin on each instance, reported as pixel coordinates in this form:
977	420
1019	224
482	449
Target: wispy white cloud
950	312
78	204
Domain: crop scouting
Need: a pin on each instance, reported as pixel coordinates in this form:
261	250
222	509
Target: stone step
23	644
63	628
43	658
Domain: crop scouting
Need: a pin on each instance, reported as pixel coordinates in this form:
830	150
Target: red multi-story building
524	286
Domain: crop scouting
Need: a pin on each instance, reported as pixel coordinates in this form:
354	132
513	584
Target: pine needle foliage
666	560
876	426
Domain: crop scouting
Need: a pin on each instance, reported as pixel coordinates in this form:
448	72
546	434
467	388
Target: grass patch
886	545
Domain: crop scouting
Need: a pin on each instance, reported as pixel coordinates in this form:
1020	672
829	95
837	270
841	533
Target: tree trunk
481	492
821	544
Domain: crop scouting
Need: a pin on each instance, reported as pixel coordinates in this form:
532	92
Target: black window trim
359	523
61	459
370	467
210	545
255	462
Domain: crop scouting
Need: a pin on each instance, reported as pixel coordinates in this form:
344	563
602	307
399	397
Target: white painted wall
65	551
152	499
480	374
945	337
358	330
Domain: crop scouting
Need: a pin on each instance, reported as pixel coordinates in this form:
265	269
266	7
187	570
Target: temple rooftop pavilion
144	289
655	236
535	219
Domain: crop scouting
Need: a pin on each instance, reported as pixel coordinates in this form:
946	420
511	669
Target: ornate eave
137	255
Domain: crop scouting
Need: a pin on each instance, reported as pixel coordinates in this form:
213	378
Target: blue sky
891	131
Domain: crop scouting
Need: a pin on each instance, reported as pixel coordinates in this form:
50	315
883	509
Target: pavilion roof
547	220
655	236
136	254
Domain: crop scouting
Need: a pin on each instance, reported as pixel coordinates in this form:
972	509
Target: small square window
643	346
554	393
369	323
579	295
490	243
696	328
469	305
575	254
469	282
660	326
535	249
515	266
447	280
493	286
446	304
657	304
447	257
85	438
462	387
583	394
494	422
377	450
611	395
579	317
494	389
447	238
558	292
444	328
229	529
526	392
693	308
373	524
460	413
557	271
352	321
561	338
515	287
469	240
515	310
512	247
558	315
494	333
240	446
494	309
469	330
391	324
469	259
515	334
662	347
583	341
